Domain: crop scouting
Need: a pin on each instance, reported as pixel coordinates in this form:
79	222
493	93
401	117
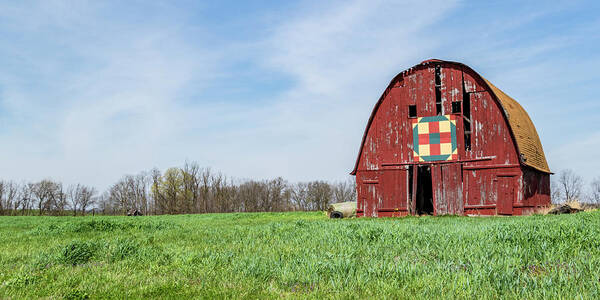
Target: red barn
444	140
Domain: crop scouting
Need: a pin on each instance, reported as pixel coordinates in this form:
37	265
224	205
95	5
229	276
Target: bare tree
47	195
205	187
299	196
59	199
86	197
72	196
11	197
571	184
118	197
248	195
155	191
26	200
320	194
556	191
344	191
595	191
191	186
4	205
103	202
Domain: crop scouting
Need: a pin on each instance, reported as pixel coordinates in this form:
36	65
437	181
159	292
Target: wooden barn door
452	192
506	195
449	195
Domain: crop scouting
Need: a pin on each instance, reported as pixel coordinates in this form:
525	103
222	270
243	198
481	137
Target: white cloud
106	105
340	58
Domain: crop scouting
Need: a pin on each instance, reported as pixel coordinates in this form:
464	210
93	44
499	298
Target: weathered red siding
487	179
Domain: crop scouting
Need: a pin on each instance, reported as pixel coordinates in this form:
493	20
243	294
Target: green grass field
299	255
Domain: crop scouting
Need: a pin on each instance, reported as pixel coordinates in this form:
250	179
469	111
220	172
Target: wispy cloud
340	58
100	99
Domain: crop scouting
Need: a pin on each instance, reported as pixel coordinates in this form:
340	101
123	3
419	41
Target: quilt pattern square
434	138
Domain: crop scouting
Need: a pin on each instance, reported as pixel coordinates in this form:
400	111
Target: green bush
78	252
124	248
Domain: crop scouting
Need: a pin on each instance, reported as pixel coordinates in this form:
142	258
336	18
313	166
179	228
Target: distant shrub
77	252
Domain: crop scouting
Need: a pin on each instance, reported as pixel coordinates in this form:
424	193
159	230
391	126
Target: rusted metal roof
528	141
523	131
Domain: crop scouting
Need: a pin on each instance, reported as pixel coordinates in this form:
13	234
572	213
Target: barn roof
522	128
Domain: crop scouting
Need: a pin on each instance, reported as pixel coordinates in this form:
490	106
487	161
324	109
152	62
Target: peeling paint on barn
490	161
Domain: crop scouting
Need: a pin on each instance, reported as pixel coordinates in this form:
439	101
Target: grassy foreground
298	255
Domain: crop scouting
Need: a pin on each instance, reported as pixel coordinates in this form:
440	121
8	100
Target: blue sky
90	91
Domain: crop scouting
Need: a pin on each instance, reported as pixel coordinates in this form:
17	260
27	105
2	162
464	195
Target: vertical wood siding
473	184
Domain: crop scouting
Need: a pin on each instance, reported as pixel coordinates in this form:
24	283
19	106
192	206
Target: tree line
180	190
192	189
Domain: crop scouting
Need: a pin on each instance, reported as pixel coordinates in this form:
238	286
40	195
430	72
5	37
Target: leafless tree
48	195
59	199
11	196
118	197
26	198
595	191
344	191
299	196
320	195
571	184
248	195
4	203
191	186
103	202
156	192
72	196
205	187
85	197
556	191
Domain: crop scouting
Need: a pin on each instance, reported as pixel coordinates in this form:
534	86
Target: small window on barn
439	108
412	111
456	107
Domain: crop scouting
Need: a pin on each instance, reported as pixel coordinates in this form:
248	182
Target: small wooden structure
444	140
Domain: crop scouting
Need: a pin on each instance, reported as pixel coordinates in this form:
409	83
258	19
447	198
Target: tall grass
298	255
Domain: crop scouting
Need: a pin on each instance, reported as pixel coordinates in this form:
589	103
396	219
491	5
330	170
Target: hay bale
564	209
134	213
342	210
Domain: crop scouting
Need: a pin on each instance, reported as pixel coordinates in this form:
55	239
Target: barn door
506	195
452	195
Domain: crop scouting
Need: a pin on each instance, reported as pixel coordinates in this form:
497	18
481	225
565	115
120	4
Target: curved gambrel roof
521	127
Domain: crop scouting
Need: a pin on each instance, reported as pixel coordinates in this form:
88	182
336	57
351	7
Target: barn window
412	111
467	118
456	107
439	108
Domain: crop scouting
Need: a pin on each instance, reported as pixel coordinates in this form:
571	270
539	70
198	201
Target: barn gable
523	131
